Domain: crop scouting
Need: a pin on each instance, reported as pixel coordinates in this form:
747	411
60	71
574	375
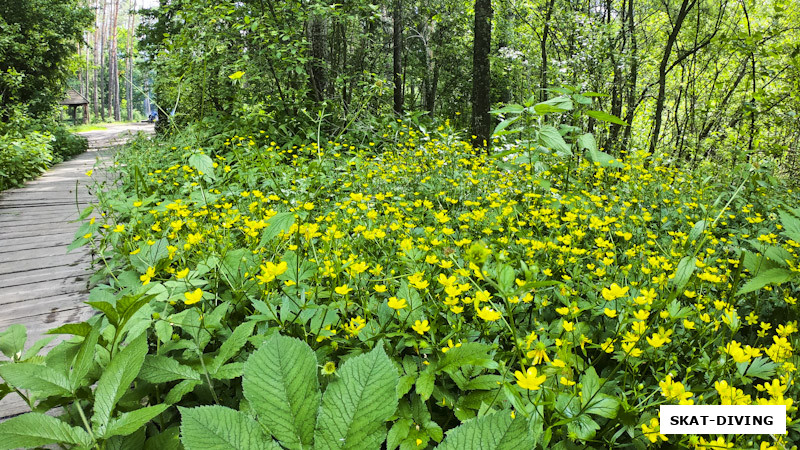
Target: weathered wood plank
41	275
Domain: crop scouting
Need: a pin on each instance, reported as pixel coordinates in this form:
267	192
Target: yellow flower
652	431
145	279
308	206
89	172
343	289
568	326
566	382
396	303
193	297
610	312
488	314
119	228
529	380
380	288
421	327
614	292
182	273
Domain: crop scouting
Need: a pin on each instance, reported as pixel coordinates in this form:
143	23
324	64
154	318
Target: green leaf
356	406
12	340
181	389
202	163
473	353
232	345
129	422
77	329
590	383
280	382
160	369
553	105
772	276
684	272
37	347
42	380
496	431
583	426
425	383
107	309
279	223
512	108
759	368
84	360
505	124
606	117
603	405
36	429
551	138
220	428
116	380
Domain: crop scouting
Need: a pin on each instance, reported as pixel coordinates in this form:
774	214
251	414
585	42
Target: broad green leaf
684	272
590	383
606	117
229	371
697	231
116	380
37	347
232	345
551	138
425	383
107	309
84	360
512	108
496	431
473	353
586	141
42	380
221	428
280	382
603	405
129	422
184	387
160	369
553	105
133	441
77	329
583	426
36	429
505	124
202	163
772	276
279	223
168	439
12	340
356	406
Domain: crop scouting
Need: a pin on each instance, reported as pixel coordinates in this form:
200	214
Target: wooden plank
71	259
12	298
41	275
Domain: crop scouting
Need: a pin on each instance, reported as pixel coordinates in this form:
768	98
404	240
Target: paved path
41	285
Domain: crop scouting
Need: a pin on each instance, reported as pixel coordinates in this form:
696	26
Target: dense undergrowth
29	147
408	292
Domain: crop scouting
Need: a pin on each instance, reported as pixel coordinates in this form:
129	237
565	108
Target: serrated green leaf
220	428
279	223
356	406
84	360
36	429
772	276
229	371
473	353
160	369
12	340
280	382
496	431
425	383
203	163
116	380
77	329
232	345
404	385
551	138
168	439
184	387
583	426
129	422
36	347
591	384
42	380
107	309
606	117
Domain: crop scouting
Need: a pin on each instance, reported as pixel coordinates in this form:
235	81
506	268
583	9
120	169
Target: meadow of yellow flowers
575	297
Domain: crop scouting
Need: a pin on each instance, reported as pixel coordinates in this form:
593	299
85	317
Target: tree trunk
129	60
113	60
101	67
686	6
397	55
318	75
481	76
545	32
632	78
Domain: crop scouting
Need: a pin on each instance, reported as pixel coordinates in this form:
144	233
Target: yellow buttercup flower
614	292
530	379
193	297
396	303
343	289
182	273
421	327
489	314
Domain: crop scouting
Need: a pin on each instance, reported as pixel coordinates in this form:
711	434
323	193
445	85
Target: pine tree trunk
102	66
481	77
397	55
114	62
129	60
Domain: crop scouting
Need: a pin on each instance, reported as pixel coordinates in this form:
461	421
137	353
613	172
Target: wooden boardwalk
41	285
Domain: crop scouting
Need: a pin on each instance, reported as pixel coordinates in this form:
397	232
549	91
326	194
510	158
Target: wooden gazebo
74	99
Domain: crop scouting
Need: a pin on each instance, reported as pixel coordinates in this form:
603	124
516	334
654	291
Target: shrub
67	145
23	158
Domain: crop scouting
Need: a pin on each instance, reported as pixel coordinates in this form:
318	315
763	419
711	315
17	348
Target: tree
481	76
397	55
37	40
